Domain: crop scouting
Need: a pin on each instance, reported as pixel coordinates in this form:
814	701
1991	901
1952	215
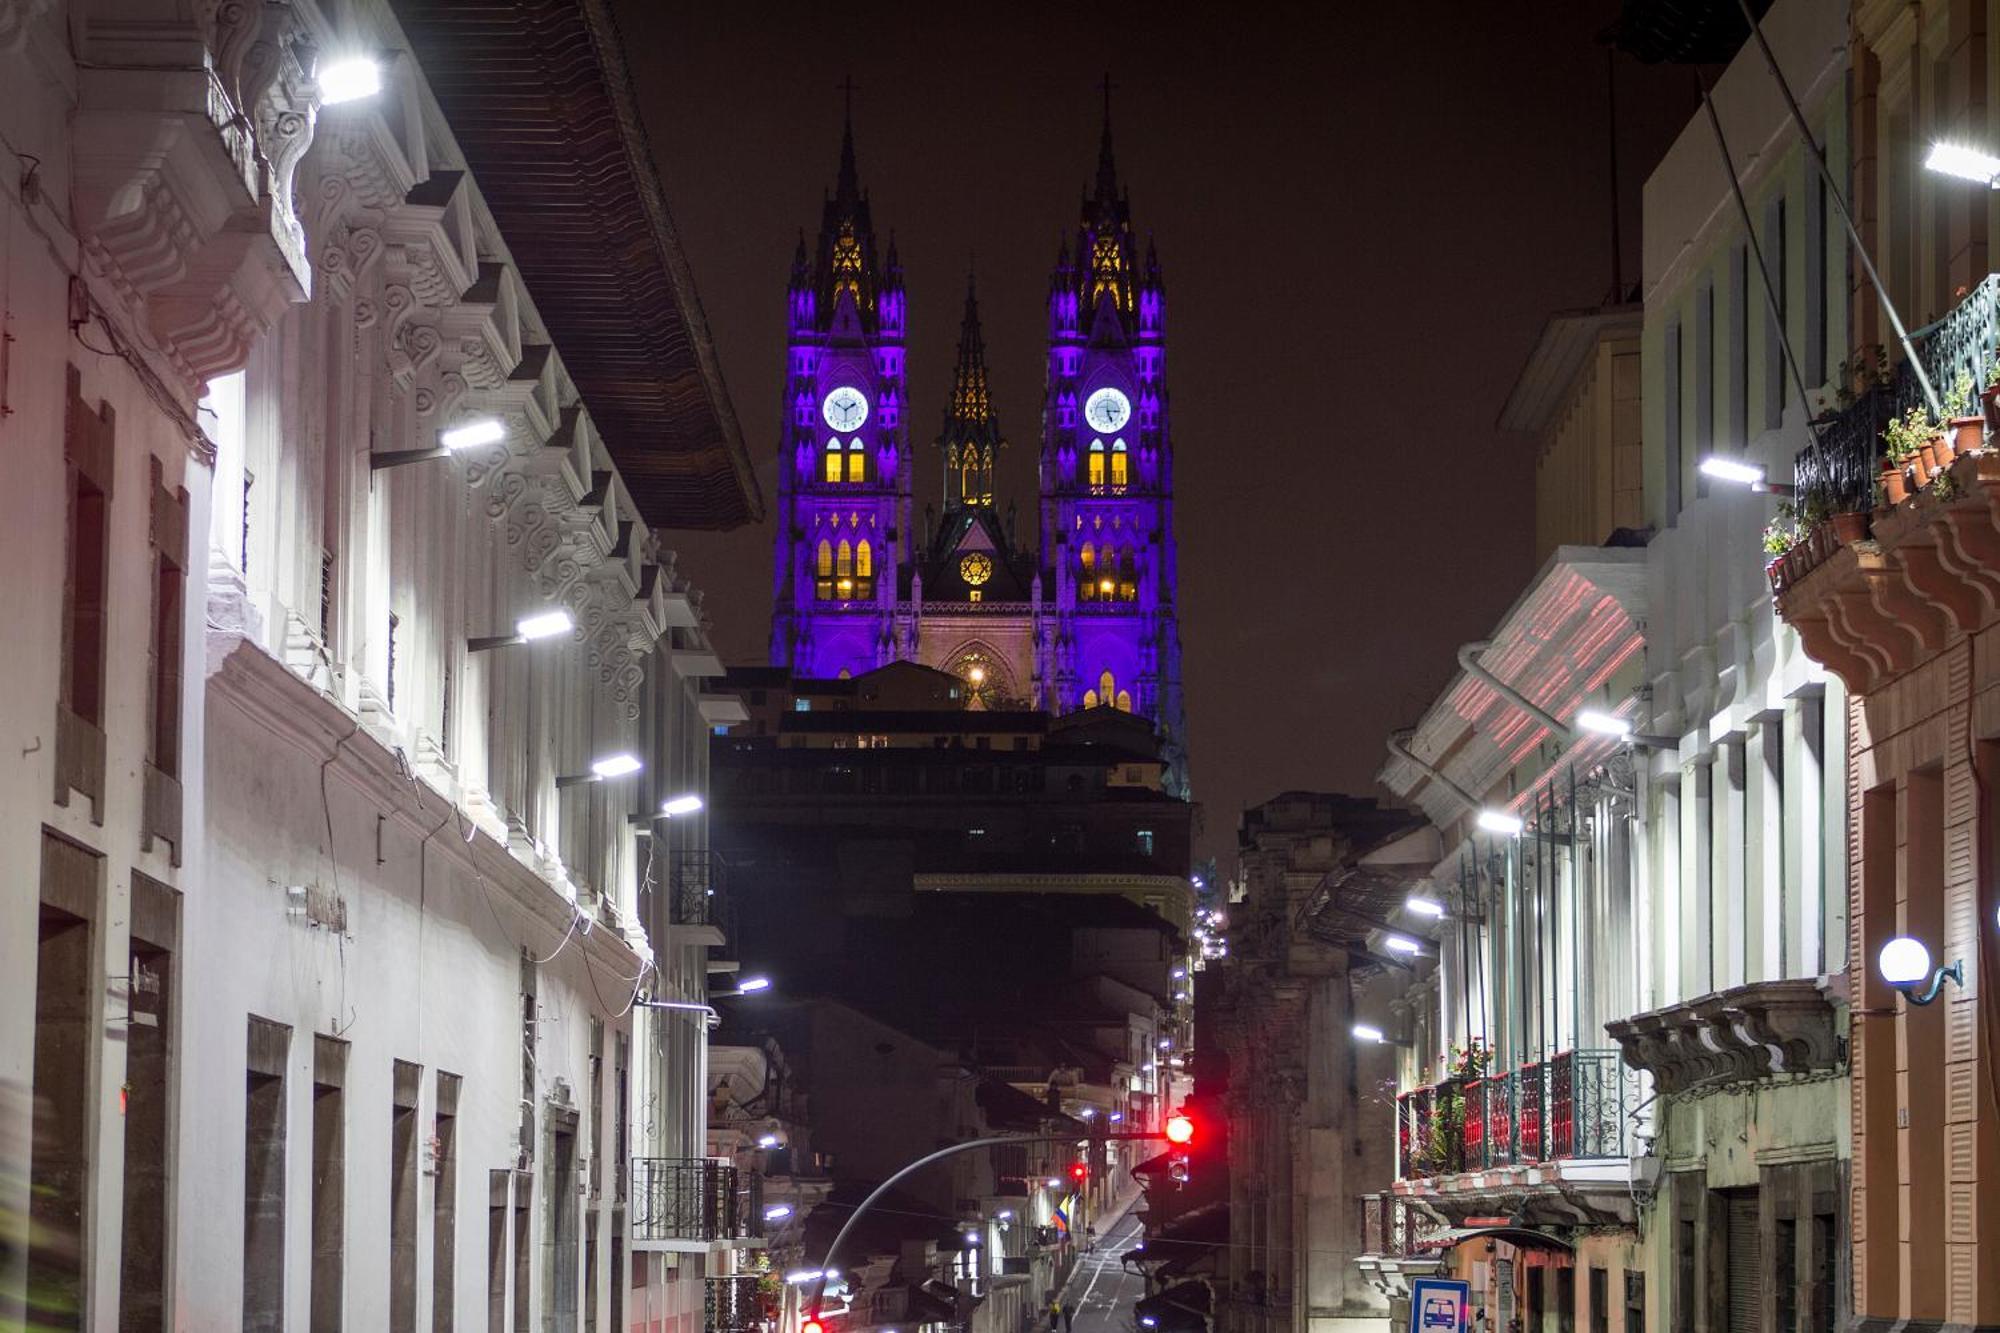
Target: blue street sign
1440	1305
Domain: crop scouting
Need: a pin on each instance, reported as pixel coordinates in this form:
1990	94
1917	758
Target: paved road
1100	1293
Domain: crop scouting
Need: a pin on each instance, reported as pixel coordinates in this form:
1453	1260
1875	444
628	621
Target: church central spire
971	438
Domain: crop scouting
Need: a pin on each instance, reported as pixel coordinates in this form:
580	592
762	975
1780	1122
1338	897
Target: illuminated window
1107	688
1090	698
1124	701
973	595
1119	462
823	568
1095	474
1087	586
857	461
1107	576
844	562
833	460
864	561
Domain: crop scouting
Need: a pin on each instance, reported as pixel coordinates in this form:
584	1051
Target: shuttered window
1745	1263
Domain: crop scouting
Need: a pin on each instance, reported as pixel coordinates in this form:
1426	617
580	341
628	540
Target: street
1101	1293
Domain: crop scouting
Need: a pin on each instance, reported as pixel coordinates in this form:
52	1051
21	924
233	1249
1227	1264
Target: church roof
972	548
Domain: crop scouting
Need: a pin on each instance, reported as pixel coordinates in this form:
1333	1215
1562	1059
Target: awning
1526	1238
1181	1308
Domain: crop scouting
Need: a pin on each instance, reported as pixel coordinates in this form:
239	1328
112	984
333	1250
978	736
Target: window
857	462
1145	840
802	705
1124	701
823	584
264	1175
1090	698
1128	582
844	560
864	563
170	584
1119	464
1086	588
403	1171
1096	467
833	460
1600	1300
86	587
444	1206
1107	687
329	1174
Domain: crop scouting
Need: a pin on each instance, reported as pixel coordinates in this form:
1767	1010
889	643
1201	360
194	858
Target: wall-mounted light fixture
1950	159
1499	821
544	625
465	435
1370	1035
1598	722
348	79
610	766
1906	964
1740	473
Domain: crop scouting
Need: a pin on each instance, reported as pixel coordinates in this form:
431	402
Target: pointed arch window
986	476
1086	586
1107	688
833	461
843	570
823	568
1120	468
1095	473
857	462
1124	701
1090	698
1107	575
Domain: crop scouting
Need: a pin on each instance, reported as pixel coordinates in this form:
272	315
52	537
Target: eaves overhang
1576	625
539	99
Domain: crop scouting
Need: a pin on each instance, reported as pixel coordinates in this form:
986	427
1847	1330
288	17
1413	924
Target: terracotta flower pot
1966	434
1774	570
1937	452
1849	527
1895	487
1918	468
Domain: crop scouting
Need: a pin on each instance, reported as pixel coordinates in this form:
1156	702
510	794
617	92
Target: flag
1062	1217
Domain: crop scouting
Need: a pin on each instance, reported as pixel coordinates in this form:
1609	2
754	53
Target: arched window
1119	464
1107	576
1107	688
823	568
1096	472
1086	587
864	561
1124	701
844	566
857	461
1128	583
968	477
1090	698
986	477
833	460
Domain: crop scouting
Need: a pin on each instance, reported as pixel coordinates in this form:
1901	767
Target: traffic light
812	1325
1180	1129
1079	1172
1177	1168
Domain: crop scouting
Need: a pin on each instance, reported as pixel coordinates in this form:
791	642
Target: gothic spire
971	354
971	434
1107	169
848	188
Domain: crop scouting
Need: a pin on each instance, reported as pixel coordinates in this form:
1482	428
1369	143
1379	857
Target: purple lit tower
844	468
1107	474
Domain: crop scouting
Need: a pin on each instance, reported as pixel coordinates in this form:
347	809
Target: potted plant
1781	534
1965	428
1891	487
1904	439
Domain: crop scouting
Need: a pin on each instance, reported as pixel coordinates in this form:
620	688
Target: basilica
1083	618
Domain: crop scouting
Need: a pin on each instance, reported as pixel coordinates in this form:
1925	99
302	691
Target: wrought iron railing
1961	344
1388	1224
734	1305
697	888
1574	1104
694	1199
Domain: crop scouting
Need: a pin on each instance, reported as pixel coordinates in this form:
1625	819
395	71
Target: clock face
975	569
1107	410
845	409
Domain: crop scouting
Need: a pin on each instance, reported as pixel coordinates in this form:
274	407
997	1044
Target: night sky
1364	214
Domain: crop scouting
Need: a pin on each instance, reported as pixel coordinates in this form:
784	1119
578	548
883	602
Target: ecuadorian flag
1062	1215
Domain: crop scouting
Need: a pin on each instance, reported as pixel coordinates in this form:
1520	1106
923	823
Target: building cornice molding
244	676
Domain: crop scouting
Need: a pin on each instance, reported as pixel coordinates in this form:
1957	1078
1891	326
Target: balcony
690	1205
734	1305
698	894
1759	1031
1552	1132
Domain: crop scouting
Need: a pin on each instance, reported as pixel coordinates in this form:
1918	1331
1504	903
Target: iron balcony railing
697	888
1576	1104
1388	1225
693	1199
1960	344
734	1305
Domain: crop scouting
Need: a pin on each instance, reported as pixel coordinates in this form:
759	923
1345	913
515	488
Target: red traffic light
1078	1171
1180	1129
812	1325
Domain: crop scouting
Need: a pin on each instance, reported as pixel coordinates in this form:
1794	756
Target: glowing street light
1740	473
1970	164
1401	944
675	806
1905	964
617	765
750	986
1499	821
348	80
544	625
1423	906
1370	1035
471	434
777	1212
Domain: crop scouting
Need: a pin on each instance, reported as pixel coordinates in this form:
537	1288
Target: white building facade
328	1007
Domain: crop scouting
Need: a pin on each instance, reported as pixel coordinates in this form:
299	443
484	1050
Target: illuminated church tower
1107	473
844	470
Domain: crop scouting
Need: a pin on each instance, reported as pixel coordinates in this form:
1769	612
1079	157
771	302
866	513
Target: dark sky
1364	212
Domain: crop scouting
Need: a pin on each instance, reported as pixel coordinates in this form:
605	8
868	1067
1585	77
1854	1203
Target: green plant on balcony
1946	486
1444	1148
1474	1058
1905	436
1782	533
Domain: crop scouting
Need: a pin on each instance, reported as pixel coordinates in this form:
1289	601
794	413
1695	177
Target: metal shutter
1746	1264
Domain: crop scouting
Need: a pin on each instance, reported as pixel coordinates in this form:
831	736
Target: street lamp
685	804
1370	1035
1905	963
1423	906
611	766
1499	821
348	80
544	625
1601	723
1970	164
1743	474
465	435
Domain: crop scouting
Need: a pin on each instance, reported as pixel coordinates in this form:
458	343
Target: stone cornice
246	677
1763	1030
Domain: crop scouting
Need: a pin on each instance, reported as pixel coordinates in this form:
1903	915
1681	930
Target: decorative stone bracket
1874	609
1749	1032
186	140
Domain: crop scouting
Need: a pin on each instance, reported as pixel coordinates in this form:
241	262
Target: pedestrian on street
1055	1316
1067	1316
